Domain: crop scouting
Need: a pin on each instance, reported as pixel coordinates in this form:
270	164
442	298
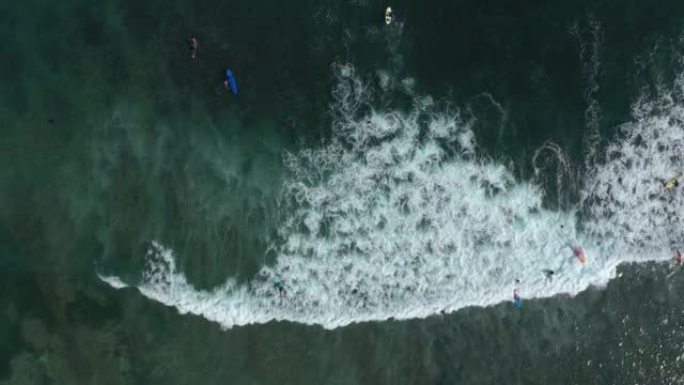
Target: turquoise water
397	180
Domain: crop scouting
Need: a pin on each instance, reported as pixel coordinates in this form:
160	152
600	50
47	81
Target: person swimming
193	45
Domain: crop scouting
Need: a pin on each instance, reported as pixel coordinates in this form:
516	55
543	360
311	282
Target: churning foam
398	217
626	205
112	281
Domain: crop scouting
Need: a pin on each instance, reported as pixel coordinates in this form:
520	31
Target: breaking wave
399	216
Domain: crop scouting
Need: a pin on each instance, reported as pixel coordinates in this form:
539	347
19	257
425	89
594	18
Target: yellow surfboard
673	182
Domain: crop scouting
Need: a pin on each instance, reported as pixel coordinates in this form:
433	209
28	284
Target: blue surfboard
230	79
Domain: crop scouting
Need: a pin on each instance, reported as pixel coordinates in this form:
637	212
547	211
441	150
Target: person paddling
229	81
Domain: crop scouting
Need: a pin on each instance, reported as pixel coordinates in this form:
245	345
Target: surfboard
232	83
671	183
582	258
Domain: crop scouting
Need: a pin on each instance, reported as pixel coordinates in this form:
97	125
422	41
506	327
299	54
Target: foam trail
541	164
397	217
589	56
113	281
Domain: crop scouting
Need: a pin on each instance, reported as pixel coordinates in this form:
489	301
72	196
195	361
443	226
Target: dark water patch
527	57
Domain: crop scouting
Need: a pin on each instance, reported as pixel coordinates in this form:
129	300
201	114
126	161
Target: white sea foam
397	217
112	281
627	207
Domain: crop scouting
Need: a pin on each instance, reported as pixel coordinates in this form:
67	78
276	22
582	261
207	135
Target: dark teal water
112	136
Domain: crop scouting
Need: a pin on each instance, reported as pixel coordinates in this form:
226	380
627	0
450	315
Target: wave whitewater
399	217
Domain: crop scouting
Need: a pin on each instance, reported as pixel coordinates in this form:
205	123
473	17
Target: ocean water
397	182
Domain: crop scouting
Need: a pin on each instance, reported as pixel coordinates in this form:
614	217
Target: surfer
517	300
548	273
579	254
678	258
282	293
229	82
389	17
193	45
